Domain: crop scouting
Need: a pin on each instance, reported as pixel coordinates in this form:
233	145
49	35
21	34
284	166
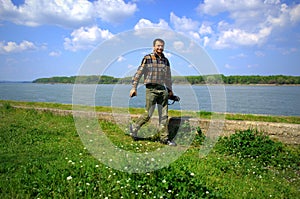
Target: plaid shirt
156	70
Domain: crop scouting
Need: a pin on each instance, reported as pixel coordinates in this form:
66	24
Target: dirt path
286	133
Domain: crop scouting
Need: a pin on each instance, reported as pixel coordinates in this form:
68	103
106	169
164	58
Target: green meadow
42	156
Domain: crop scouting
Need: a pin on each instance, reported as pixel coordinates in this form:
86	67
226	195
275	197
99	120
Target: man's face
158	47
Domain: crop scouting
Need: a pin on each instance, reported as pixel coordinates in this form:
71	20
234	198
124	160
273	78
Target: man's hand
132	92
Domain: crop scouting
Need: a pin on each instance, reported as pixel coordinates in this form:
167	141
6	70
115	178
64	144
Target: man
157	78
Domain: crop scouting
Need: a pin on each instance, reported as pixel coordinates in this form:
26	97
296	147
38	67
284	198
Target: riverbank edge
283	132
175	83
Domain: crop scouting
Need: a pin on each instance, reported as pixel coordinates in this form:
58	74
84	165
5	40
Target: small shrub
7	106
199	138
251	144
185	133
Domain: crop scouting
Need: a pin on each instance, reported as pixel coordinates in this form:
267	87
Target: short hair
158	39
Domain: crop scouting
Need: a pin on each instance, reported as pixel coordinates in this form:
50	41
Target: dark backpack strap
153	58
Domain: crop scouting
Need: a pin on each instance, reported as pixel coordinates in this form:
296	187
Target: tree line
205	79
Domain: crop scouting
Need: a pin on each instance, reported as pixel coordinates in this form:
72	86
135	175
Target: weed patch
251	144
42	156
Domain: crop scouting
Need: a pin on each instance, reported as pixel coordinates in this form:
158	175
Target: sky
46	38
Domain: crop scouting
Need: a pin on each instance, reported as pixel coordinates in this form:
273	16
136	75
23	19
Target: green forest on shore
206	79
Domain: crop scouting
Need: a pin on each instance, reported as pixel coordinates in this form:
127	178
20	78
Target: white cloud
194	35
238	37
295	14
114	10
183	24
184	47
280	19
168	55
86	38
121	59
178	45
252	21
65	13
229	66
289	51
215	7
146	28
240	55
272	1
259	53
252	65
13	47
145	23
206	41
205	30
55	53
130	66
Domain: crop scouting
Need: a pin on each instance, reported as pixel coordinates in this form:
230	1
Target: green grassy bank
172	113
42	156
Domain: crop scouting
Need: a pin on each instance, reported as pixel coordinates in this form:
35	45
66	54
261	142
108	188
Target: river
269	100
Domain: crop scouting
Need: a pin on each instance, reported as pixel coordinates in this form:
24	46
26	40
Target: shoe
171	143
133	133
168	142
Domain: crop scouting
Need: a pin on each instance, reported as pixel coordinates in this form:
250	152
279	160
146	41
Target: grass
172	113
42	156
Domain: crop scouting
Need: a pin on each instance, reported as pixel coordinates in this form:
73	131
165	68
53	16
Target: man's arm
133	92
168	81
136	78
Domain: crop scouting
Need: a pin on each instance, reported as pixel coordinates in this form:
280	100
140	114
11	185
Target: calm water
271	100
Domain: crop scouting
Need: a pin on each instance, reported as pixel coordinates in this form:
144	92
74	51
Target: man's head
158	46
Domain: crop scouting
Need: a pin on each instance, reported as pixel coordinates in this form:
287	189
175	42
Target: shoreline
288	133
201	113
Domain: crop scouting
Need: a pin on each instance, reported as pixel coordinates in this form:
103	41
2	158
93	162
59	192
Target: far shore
30	82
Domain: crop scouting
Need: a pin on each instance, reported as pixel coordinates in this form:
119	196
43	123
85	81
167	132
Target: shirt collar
156	55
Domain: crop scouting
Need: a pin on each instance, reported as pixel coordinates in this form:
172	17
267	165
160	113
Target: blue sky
45	38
